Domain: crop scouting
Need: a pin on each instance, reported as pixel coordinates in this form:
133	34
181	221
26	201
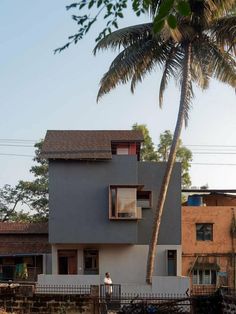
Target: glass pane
122	151
207	277
204	232
213	277
126	202
195	277
200	232
113	202
208	232
200	277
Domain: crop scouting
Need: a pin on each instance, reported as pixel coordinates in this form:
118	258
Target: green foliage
9	198
149	153
35	193
111	11
184	156
32	195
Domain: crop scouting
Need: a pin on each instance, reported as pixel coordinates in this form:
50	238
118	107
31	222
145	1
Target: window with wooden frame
67	262
123	202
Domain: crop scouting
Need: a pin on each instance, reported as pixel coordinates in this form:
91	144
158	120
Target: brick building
209	239
24	251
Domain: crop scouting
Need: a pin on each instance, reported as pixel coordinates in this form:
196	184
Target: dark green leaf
158	24
172	21
99	3
165	8
91	3
184	8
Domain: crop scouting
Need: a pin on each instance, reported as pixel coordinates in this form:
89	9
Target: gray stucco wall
150	174
78	201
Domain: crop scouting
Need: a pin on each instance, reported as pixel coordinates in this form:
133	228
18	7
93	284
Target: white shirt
108	285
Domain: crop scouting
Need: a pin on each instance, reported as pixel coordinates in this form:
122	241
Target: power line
16	155
211	164
16	145
209	145
214	153
16	140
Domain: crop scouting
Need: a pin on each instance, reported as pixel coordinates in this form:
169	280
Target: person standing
108	286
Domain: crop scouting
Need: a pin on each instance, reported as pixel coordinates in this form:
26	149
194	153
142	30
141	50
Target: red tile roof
77	144
19	228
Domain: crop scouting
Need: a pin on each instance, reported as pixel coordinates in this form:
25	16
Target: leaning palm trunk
200	48
184	102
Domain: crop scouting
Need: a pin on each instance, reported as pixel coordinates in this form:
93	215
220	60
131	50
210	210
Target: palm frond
125	37
171	68
201	59
145	65
221	7
222	65
224	32
127	63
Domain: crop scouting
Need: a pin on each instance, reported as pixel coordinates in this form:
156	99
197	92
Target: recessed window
204	232
91	266
123	203
122	151
171	262
204	277
67	262
144	199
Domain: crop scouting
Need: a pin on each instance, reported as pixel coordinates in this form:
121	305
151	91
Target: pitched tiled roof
85	144
19	228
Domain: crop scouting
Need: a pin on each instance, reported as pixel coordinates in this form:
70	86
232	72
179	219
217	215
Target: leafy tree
9	199
35	193
183	155
27	194
201	47
148	152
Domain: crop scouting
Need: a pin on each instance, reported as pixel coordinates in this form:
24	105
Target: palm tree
201	47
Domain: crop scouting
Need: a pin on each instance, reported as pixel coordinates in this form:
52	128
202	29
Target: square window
123	203
204	232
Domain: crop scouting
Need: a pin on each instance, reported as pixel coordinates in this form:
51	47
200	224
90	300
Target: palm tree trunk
184	101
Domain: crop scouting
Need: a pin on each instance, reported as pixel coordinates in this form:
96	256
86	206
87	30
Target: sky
40	90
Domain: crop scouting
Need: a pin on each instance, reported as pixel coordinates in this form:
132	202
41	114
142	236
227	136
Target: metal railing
85	290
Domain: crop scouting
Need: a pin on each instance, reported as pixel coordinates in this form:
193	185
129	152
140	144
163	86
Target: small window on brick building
204	277
204	232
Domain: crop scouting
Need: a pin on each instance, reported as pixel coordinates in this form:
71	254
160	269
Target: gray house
102	199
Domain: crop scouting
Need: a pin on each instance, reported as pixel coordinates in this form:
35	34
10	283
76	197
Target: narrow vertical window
172	262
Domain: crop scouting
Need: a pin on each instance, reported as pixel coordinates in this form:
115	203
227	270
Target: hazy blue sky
40	91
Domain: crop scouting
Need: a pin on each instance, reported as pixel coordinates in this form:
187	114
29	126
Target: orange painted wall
217	251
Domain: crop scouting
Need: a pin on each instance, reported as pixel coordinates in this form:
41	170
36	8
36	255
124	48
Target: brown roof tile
19	228
77	144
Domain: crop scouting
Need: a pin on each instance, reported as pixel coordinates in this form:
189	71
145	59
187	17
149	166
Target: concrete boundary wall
160	284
